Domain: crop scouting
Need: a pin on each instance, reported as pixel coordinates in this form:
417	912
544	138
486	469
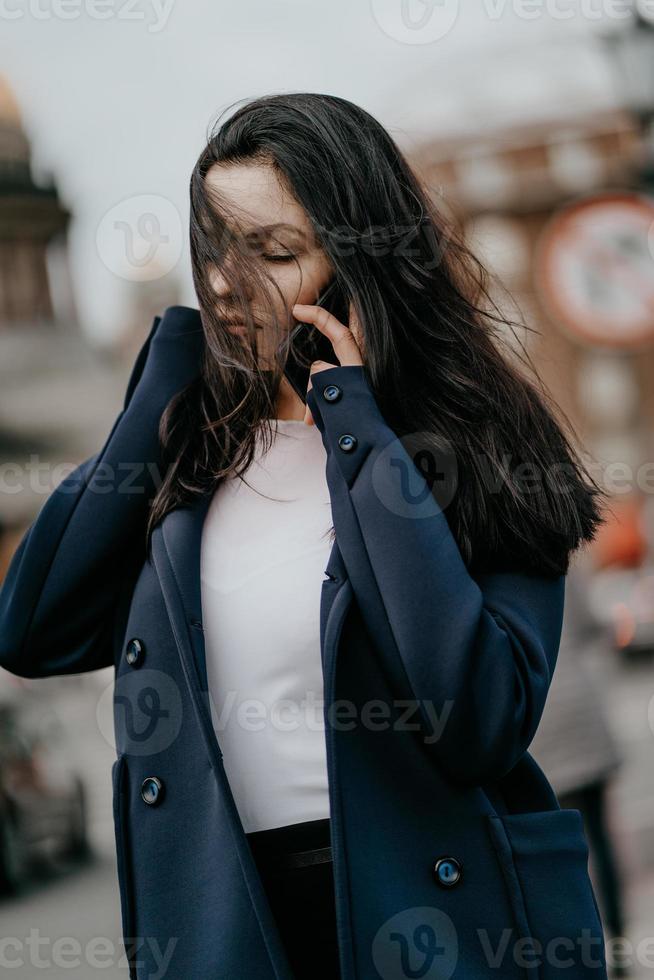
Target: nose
219	283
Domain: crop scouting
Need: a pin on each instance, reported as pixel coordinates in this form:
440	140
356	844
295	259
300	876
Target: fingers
355	327
346	340
342	338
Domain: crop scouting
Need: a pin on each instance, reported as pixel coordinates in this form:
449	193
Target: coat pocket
544	859
123	862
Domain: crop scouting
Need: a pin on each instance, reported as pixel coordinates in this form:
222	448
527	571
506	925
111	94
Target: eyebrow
280	226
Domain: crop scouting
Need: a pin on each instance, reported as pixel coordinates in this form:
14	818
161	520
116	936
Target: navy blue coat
452	856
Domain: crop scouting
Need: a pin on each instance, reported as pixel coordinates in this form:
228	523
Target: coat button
448	871
331	393
152	790
347	442
135	652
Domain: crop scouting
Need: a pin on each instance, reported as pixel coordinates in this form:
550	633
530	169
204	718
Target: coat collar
182	534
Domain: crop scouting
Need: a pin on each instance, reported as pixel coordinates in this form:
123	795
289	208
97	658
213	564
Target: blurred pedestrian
575	744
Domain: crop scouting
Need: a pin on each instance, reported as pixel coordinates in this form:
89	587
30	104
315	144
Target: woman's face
278	233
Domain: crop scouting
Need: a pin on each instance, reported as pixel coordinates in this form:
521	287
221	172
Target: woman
454	499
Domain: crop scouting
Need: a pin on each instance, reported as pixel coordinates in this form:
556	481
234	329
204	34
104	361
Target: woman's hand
347	341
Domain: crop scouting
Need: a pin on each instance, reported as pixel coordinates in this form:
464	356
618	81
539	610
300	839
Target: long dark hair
437	353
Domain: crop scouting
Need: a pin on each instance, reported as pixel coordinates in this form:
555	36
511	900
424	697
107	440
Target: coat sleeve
58	598
473	656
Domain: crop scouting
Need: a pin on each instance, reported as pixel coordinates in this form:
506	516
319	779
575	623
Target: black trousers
297	873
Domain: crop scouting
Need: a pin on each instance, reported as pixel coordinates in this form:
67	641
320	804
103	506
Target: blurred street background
533	125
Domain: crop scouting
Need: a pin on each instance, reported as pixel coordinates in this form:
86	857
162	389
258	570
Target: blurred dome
14	145
9	111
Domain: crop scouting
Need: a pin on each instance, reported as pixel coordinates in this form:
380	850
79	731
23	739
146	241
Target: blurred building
59	393
507	189
33	226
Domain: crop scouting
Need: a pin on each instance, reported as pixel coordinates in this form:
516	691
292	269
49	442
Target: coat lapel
176	558
182	536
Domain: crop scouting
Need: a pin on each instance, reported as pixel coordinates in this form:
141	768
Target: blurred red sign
594	269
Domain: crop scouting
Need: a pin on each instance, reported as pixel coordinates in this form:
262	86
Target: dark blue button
448	871
135	652
347	442
331	393
152	790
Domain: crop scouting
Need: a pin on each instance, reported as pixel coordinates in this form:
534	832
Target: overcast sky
117	96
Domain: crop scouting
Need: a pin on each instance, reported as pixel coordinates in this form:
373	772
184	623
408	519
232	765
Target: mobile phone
308	344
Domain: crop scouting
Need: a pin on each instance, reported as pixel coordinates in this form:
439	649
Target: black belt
294	846
296	859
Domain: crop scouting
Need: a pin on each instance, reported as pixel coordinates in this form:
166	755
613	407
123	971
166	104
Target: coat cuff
348	417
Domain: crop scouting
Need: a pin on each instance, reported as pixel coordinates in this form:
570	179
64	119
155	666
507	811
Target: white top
265	545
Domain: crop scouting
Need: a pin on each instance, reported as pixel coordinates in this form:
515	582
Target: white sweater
265	544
